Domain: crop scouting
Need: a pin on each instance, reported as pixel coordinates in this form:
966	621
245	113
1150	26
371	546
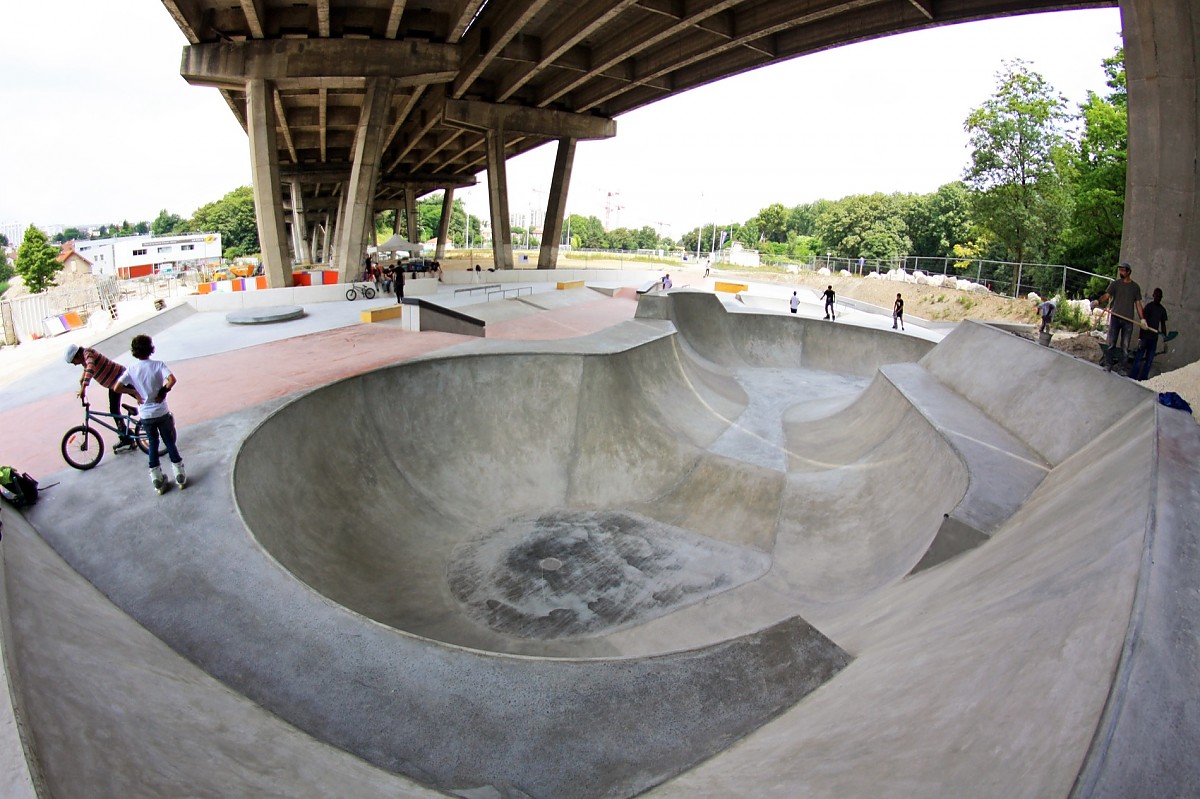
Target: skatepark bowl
700	553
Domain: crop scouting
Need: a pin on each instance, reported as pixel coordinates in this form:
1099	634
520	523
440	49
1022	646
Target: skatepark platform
694	552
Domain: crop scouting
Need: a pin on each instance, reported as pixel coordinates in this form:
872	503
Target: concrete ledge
732	288
382	314
420	286
264	316
569	284
440	319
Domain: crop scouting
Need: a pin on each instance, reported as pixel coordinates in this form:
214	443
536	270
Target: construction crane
612	204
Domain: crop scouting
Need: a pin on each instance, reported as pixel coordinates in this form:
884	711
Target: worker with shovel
1124	309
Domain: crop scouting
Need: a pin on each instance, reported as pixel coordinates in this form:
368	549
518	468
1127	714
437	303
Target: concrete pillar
335	234
325	238
364	176
413	222
299	224
444	224
1161	236
268	190
498	200
556	204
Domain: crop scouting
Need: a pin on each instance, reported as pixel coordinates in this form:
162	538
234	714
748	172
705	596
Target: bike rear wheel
143	441
369	293
82	447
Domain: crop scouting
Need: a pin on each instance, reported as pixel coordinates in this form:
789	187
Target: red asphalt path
214	385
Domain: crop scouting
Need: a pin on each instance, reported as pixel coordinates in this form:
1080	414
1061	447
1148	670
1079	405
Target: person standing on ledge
1154	317
898	312
1124	309
795	302
829	298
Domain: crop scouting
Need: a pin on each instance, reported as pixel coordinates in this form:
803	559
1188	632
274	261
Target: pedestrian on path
107	373
399	284
829	298
795	302
150	381
898	312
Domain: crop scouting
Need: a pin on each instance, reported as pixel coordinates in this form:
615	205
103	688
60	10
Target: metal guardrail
471	289
516	290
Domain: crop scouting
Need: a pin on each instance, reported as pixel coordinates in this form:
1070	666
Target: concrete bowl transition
708	553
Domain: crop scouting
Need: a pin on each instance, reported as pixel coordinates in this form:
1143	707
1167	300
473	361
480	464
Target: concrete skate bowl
561	502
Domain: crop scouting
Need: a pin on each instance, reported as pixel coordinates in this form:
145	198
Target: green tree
1017	141
233	217
166	223
772	223
646	239
37	261
867	225
936	222
6	269
68	234
1092	238
587	232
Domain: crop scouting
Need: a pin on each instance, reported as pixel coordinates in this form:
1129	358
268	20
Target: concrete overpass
354	107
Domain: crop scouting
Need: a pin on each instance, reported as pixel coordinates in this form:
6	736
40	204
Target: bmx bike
367	290
82	446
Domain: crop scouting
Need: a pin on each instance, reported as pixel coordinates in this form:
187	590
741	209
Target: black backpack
18	487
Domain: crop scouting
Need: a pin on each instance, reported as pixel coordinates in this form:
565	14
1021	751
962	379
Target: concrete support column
325	240
444	224
268	190
299	224
412	221
336	233
364	176
1161	235
498	200
556	204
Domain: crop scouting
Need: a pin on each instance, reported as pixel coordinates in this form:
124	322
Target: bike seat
130	409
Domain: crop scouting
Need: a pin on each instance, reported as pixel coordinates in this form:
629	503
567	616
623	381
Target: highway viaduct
357	106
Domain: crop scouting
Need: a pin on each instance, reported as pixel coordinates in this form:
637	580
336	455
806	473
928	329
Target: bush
1070	316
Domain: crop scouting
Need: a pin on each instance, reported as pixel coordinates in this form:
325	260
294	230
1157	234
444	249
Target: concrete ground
681	547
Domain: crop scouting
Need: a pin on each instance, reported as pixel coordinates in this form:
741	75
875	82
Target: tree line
1043	184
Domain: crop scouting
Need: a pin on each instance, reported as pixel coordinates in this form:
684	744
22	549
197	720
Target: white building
141	256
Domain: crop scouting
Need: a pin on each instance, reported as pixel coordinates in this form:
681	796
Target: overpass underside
353	108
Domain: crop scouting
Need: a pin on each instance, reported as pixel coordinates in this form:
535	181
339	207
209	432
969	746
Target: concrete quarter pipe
544	570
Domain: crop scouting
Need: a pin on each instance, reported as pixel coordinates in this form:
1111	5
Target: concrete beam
444	224
924	6
268	190
319	62
498	201
531	121
1161	235
368	149
299	224
556	204
413	222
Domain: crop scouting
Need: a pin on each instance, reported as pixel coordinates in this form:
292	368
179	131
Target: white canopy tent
398	243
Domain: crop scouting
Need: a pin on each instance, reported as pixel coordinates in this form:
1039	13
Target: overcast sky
98	126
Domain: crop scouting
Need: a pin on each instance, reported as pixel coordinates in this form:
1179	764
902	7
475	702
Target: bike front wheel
351	294
143	441
82	447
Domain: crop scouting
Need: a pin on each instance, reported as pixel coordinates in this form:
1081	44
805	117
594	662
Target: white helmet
72	351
